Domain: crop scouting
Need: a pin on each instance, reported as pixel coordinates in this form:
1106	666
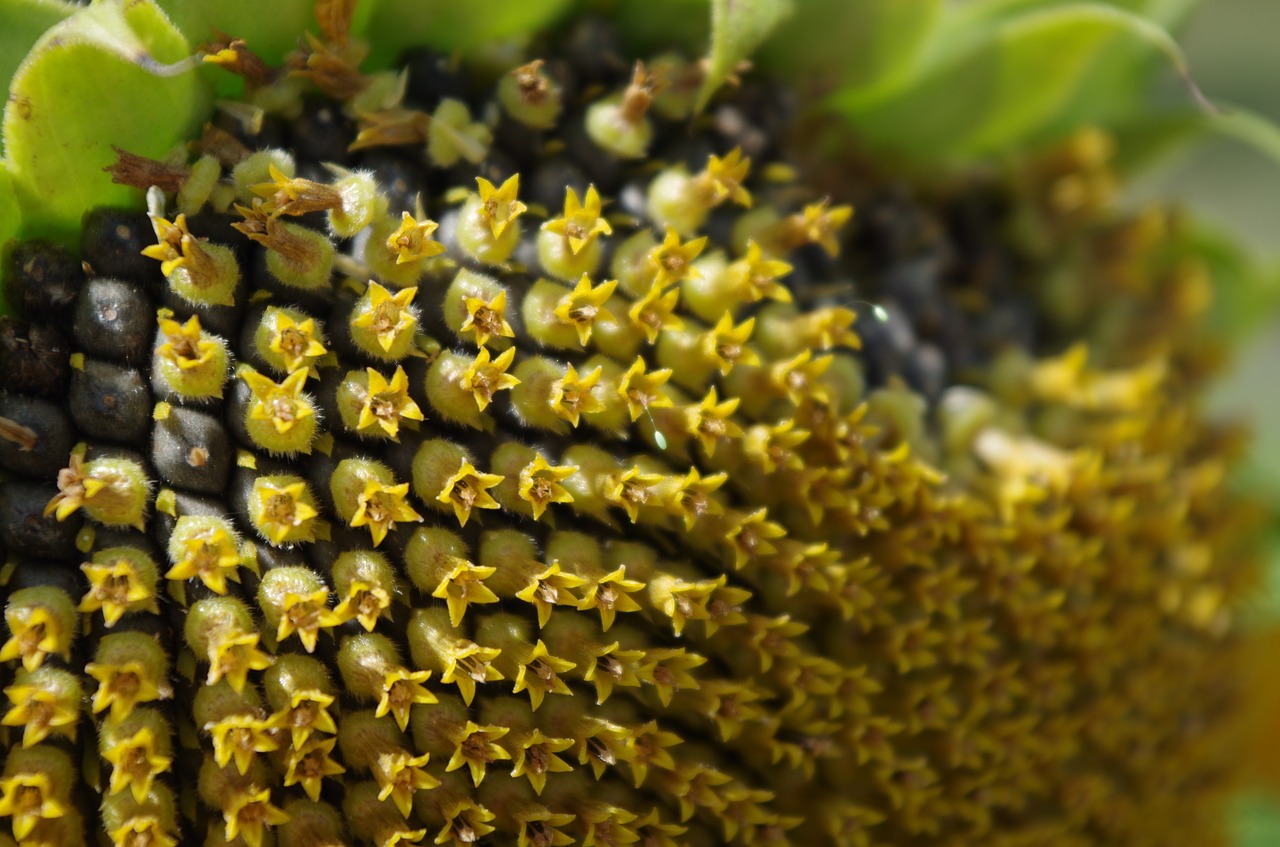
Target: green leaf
646	24
737	28
24	22
270	32
464	25
985	88
1147	140
867	48
114	73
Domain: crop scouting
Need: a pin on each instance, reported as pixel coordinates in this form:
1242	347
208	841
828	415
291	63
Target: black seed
400	178
112	240
24	528
53	433
192	450
601	167
162	523
112	402
42	280
115	320
551	178
34	359
594	50
58	573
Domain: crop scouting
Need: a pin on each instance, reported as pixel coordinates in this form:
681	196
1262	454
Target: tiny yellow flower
573	396
248	813
641	389
400	776
726	344
186	345
468	663
385	315
486	318
581	222
463	586
29	798
631	490
233	657
656	311
723	178
486	377
540	484
412	241
476	747
380	506
499	206
119	583
387	403
36	632
469	489
135	763
755	276
691	498
364	602
672	260
535	757
296	342
283	509
280	404
710	420
308	764
173	243
609	595
401	690
552	587
305	614
210	553
308	712
584	305
539	675
819	224
43	703
142	829
121	687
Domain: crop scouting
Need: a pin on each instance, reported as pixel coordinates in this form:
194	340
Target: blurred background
1233	52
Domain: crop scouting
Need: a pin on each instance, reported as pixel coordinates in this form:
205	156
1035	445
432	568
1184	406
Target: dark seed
432	77
51	431
34	359
192	450
111	401
24	528
114	320
112	240
42	280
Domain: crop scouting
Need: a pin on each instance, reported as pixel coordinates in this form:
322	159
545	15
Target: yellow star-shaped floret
308	712
499	206
819	223
35	633
135	763
486	318
550	588
247	814
798	377
723	178
710	420
288	195
282	404
539	674
609	595
751	535
364	602
641	389
29	798
186	345
691	498
400	776
773	446
212	555
387	403
540	484
632	490
466	822
536	757
173	243
142	829
281	510
829	327
573	396
726	344
463	586
73	490
122	687
668	669
584	305
485	377
384	314
614	666
540	827
40	706
467	664
296	342
756	276
117	586
232	658
241	737
412	241
656	311
380	506
672	260
581	222
469	489
401	689
305	614
309	763
476	747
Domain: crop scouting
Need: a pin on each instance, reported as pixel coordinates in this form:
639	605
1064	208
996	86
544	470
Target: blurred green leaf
867	47
24	22
395	25
112	73
1147	140
988	85
646	24
1245	294
271	35
737	28
1256	822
